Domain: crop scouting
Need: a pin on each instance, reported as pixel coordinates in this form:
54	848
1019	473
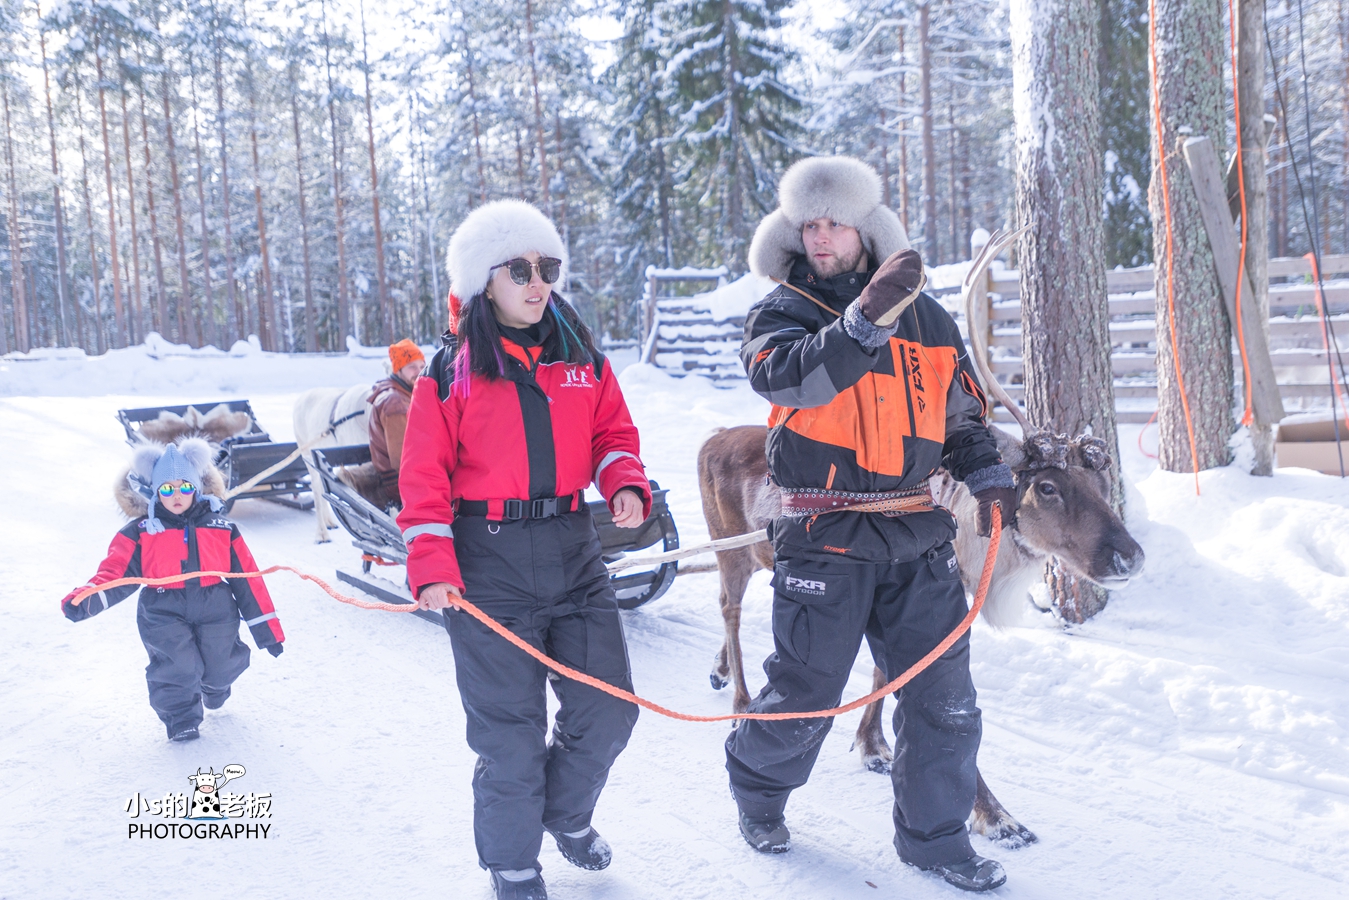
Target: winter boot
588	850
186	734
530	889
767	834
214	699
973	874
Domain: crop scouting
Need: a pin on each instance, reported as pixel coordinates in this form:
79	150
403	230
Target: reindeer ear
1013	454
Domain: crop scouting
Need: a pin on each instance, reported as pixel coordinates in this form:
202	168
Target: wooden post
649	321
1205	171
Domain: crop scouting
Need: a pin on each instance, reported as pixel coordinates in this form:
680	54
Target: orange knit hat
403	353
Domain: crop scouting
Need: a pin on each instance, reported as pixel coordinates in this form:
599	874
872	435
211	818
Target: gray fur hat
841	188
155	464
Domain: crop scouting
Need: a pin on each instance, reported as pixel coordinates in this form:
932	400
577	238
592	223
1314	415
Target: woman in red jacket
512	420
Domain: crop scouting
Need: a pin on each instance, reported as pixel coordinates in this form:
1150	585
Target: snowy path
1193	741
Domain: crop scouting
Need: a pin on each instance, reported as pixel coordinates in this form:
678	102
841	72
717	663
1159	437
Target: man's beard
835	265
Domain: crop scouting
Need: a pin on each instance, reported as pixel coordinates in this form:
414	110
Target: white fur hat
841	188
494	233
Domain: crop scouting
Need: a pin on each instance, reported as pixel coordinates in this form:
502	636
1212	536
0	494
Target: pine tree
736	119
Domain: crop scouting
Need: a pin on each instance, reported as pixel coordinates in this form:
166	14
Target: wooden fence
689	338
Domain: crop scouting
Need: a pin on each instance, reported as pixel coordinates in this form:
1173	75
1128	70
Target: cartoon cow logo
206	790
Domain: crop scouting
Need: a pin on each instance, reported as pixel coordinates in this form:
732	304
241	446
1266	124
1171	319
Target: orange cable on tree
1170	236
1248	416
995	538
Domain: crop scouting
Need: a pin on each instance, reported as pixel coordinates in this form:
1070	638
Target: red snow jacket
199	540
547	429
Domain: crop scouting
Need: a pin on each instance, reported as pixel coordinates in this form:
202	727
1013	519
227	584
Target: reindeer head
1063	491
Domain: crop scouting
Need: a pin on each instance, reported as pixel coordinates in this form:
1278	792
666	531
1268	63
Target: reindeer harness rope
566	671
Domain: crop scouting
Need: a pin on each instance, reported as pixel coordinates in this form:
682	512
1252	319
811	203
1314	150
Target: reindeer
1064	512
330	417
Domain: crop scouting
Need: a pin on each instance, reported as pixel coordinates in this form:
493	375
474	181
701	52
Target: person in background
389	418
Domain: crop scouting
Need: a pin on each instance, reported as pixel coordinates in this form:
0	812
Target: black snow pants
545	581
192	637
821	612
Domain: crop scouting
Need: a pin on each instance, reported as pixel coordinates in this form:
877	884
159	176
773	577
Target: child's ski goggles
521	270
187	489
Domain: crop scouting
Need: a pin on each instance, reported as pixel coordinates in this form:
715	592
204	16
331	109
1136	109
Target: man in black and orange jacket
871	393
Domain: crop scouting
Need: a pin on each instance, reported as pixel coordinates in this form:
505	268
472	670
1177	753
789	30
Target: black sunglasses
521	270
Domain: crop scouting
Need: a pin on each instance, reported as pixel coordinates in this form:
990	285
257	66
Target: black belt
514	510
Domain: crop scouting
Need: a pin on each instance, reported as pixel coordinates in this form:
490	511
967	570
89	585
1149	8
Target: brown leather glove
1004	497
894	286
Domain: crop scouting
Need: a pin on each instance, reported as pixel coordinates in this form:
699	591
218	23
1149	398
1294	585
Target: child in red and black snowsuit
190	628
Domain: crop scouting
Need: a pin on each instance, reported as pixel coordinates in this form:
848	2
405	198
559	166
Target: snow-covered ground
1189	742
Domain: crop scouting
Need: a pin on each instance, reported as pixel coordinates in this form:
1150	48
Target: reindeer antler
997	242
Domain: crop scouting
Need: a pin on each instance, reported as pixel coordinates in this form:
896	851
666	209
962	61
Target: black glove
275	649
893	287
1005	497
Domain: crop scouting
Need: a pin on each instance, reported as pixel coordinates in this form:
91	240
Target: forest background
211	169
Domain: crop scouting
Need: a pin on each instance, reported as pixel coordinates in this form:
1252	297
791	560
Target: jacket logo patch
916	376
577	377
951	564
805	586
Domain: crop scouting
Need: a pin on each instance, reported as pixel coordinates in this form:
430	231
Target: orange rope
1325	335
1152	418
1248	416
1170	254
378	560
911	673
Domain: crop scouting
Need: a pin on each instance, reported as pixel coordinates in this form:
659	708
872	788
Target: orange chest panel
904	398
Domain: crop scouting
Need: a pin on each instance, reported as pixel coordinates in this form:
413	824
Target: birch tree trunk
161	301
241	323
206	324
903	139
477	128
1250	63
1065	312
735	213
119	318
137	298
89	223
538	104
310	314
386	310
62	271
1186	80
12	233
18	294
172	152
267	321
931	251
343	307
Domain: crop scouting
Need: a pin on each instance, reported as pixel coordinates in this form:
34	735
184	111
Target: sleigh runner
377	536
243	448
